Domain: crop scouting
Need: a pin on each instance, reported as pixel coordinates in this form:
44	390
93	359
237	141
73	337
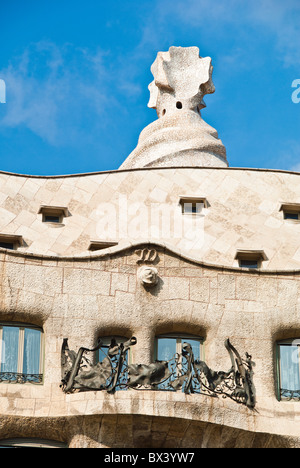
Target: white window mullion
179	351
298	362
42	346
21	350
1	346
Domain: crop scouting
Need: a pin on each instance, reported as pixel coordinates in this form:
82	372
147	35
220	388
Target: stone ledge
127	245
193	408
113	171
138	431
131	415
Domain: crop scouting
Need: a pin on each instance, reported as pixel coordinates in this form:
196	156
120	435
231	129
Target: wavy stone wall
84	298
143	204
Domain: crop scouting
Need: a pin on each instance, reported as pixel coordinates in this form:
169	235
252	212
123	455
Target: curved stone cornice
126	246
243	212
141	169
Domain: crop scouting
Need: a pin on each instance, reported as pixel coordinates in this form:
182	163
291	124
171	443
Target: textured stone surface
134	431
129	206
189	260
102	296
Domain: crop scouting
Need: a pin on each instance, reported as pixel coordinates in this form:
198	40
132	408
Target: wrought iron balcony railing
182	372
15	377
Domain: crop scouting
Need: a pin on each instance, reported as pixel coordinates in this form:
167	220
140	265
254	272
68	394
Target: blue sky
77	75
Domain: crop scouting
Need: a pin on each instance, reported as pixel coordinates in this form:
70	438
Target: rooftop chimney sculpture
179	137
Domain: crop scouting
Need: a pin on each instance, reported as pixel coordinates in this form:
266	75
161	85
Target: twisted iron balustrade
182	372
289	395
15	377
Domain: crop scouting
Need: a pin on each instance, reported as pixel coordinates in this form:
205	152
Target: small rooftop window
291	211
192	205
249	263
250	258
100	245
10	241
53	214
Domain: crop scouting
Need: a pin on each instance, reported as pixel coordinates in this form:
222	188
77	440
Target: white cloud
53	90
280	19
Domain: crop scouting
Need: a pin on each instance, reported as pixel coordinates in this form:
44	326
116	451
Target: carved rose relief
148	276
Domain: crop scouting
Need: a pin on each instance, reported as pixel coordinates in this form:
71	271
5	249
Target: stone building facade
175	245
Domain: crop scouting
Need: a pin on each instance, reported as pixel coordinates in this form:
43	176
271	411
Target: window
102	353
53	214
106	342
170	348
288	369
10	241
249	263
250	258
192	205
167	346
290	215
100	245
21	353
291	211
51	219
7	245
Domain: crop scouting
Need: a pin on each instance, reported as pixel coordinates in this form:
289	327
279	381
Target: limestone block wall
243	212
84	298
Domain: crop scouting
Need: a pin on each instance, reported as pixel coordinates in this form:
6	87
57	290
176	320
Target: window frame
278	344
257	256
59	212
106	341
197	205
290	209
119	339
21	343
180	339
13	241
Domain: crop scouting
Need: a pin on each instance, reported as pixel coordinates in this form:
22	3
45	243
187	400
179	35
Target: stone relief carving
146	255
148	276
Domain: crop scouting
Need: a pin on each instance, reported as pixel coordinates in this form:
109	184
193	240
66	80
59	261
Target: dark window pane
7	245
248	263
51	219
289	215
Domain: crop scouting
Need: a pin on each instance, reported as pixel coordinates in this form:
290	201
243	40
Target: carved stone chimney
179	137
